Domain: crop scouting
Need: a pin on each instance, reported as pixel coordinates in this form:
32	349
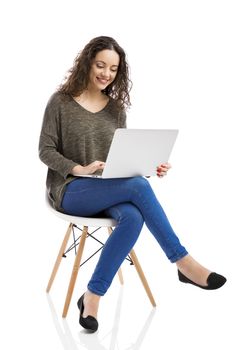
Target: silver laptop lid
137	152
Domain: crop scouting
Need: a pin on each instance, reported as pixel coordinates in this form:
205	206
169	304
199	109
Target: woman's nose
105	73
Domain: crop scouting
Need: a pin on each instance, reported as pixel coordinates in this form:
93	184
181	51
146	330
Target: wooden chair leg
59	257
142	277
120	275
75	270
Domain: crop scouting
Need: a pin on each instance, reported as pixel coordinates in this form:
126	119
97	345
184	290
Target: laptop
137	152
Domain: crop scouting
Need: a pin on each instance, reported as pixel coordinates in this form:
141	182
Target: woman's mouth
102	81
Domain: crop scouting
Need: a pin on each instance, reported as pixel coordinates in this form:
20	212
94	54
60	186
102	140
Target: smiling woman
104	68
102	73
100	68
79	122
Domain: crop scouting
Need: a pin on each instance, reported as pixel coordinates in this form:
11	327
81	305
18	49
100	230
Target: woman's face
104	69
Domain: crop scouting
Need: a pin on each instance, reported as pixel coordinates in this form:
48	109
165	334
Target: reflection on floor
94	341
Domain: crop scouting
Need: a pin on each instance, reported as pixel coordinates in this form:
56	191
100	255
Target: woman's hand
163	169
89	169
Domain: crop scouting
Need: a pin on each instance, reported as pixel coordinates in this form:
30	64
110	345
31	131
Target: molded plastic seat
81	220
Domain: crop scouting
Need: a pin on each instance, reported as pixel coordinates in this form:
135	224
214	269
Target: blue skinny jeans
131	202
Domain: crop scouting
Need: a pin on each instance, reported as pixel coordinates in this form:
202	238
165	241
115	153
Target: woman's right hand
89	169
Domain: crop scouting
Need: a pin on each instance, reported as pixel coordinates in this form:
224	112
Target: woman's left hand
163	169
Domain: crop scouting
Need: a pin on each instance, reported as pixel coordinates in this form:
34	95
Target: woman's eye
102	67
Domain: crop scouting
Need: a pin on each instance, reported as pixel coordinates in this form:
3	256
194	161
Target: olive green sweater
71	135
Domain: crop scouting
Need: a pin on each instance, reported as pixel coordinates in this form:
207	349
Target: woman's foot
88	306
214	281
190	271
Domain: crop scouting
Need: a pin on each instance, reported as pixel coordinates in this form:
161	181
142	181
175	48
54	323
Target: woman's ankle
92	296
91	304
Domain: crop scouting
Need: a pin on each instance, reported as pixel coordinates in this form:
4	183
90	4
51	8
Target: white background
180	54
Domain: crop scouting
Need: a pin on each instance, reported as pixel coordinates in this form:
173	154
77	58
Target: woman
78	126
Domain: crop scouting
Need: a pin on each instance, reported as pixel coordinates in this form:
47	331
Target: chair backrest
80	220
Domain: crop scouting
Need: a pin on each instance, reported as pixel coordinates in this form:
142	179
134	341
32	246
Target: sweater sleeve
50	141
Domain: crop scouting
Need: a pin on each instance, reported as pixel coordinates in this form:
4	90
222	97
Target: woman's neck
92	95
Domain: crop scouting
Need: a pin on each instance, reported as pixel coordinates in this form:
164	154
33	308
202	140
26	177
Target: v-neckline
86	110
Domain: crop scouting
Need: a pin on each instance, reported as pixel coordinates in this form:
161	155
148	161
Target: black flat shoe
214	281
90	323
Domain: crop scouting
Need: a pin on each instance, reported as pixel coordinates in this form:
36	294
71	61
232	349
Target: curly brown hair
78	76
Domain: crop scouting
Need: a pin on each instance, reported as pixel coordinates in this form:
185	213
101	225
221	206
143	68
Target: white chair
85	223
